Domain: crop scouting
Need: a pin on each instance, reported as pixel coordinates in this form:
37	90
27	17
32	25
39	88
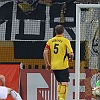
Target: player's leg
63	90
58	89
14	94
57	73
64	77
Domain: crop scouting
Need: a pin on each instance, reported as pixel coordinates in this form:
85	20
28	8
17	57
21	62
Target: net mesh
89	33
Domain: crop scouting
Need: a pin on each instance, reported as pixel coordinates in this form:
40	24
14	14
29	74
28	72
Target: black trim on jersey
66	54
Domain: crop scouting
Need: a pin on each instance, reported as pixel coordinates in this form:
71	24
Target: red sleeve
47	47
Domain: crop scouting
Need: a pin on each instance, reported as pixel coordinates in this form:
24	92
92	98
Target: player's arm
2	79
70	51
45	55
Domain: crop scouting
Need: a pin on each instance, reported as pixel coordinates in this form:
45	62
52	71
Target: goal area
87	29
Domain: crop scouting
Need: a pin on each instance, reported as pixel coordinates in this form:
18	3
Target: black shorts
62	75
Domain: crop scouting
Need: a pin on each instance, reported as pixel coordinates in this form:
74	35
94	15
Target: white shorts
3	92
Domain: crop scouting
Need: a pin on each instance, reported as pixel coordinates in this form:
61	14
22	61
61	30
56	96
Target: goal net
87	33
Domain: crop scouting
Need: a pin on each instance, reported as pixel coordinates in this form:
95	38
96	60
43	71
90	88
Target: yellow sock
63	92
66	91
58	90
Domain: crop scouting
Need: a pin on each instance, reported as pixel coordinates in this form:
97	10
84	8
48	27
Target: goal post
77	47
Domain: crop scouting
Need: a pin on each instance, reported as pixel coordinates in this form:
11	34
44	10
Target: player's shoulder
52	38
65	39
61	38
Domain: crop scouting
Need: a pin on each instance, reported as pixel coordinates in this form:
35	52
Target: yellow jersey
60	48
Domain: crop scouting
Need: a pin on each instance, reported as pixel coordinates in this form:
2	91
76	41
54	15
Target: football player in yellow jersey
60	48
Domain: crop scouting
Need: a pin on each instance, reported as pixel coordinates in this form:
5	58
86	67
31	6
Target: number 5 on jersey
56	48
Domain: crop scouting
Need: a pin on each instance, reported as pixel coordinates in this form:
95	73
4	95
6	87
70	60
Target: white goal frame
77	47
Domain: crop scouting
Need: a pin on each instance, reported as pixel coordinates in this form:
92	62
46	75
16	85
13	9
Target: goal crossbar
77	47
